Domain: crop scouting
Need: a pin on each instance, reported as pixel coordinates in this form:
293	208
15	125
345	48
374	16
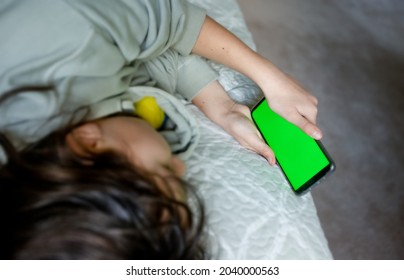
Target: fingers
259	146
309	121
310	113
314	100
305	117
264	150
308	126
246	133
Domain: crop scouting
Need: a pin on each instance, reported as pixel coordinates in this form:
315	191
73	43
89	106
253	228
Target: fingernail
317	135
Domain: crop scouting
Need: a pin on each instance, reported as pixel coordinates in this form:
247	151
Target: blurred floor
350	54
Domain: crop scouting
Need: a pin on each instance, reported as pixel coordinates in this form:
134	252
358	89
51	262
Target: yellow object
148	109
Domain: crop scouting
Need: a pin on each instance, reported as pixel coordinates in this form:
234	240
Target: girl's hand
234	118
238	123
287	98
284	95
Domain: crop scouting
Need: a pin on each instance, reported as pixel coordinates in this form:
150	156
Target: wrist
222	113
214	102
268	77
232	115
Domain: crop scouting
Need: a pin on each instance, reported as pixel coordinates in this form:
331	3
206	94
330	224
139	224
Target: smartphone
303	160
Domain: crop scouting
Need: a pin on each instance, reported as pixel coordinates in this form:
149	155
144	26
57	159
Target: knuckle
315	110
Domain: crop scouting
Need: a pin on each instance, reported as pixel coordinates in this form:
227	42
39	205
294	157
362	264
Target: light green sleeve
176	73
88	50
194	74
143	29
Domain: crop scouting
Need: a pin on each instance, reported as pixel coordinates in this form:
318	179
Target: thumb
259	146
309	128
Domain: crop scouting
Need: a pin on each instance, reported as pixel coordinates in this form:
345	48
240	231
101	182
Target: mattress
251	211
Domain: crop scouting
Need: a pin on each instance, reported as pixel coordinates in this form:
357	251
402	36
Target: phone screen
302	159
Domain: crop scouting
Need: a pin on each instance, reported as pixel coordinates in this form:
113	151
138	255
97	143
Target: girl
61	56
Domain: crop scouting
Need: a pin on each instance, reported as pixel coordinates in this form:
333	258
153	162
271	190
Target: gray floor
350	54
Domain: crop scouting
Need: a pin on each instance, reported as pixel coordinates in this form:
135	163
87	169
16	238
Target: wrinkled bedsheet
251	211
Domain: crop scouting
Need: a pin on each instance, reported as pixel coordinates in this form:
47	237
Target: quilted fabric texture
251	211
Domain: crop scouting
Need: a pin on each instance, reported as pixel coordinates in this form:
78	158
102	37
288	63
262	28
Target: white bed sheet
251	211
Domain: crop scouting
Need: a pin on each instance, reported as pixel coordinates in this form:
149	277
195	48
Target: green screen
298	154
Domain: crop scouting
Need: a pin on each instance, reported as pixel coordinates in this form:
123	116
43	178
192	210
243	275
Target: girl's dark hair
54	206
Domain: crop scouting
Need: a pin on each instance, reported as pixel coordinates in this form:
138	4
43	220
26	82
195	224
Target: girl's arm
284	95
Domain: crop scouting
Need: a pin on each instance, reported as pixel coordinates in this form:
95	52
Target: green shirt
88	51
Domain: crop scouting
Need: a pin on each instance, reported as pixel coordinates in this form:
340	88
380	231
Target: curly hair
55	206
